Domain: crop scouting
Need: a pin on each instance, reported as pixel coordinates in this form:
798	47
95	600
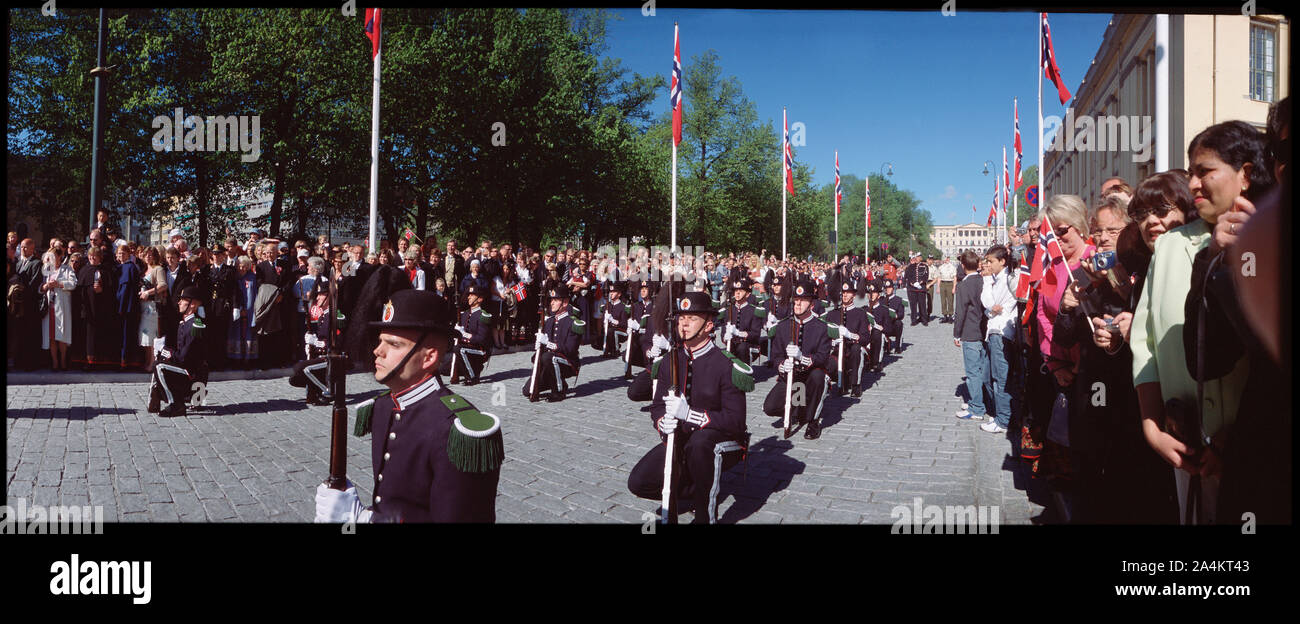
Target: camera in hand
1102	260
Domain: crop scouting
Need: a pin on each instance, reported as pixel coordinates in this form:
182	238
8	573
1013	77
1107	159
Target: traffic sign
1031	196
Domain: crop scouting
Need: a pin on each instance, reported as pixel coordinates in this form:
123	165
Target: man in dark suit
968	333
27	327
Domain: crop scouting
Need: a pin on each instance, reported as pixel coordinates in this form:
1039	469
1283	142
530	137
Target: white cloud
949	192
969	196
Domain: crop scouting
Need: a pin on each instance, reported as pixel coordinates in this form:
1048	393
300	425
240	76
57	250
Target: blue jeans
976	360
1000	352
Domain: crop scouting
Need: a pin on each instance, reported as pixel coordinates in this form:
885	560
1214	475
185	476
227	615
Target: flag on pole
1006	182
675	92
994	210
1047	59
838	194
1019	180
789	156
868	183
372	30
409	234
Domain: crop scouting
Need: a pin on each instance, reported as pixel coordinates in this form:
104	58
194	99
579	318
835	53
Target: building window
1262	74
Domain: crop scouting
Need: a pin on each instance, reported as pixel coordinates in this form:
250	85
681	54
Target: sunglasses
1141	215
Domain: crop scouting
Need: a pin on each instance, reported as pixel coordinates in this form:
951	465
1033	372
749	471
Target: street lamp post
885	174
986	172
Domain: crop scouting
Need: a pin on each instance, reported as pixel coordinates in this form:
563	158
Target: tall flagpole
1015	194
374	137
866	219
785	126
1042	175
837	205
674	236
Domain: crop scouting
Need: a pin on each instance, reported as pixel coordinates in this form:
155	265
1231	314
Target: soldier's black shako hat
804	288
619	287
558	291
887	284
415	309
694	303
480	290
847	286
744	283
190	292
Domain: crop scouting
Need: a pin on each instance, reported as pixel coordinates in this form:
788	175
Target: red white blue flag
1006	182
789	155
1047	59
867	181
838	194
675	91
1019	180
372	30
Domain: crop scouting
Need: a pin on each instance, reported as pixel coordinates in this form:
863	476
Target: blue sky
929	93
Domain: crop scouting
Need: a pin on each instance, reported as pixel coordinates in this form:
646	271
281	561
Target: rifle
537	359
789	378
627	357
731	317
669	509
839	359
336	370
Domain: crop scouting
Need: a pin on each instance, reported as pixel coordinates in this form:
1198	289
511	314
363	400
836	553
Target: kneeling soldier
807	356
436	458
473	340
312	372
851	325
745	322
177	373
615	316
706	410
558	340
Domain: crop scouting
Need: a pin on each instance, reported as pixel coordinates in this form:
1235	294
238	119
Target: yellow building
1221	68
954	239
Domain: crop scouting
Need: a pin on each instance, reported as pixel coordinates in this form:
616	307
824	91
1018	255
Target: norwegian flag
1006	184
868	183
838	194
1048	251
788	149
409	234
372	30
1047	58
675	91
994	209
518	290
1019	180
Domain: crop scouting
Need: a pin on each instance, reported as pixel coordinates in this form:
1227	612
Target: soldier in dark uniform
917	278
776	308
559	339
652	344
705	410
851	324
615	318
436	458
581	283
744	332
897	310
312	372
472	346
809	359
177	371
880	313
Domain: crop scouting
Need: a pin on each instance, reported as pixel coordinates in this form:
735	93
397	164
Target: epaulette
485	317
197	328
574	311
363	410
579	326
742	375
654	367
474	443
340	319
760	312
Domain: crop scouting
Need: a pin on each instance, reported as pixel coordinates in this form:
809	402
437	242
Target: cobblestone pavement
256	452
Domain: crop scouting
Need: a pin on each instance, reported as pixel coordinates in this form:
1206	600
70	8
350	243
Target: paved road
256	453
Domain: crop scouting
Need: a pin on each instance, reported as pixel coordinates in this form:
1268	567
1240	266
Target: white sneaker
964	405
993	427
967	415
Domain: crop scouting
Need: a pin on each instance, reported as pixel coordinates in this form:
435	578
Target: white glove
676	407
333	506
159	343
466	334
850	335
667	424
542	339
784	366
633	325
460	329
792	351
836	342
552	346
234	315
661	343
